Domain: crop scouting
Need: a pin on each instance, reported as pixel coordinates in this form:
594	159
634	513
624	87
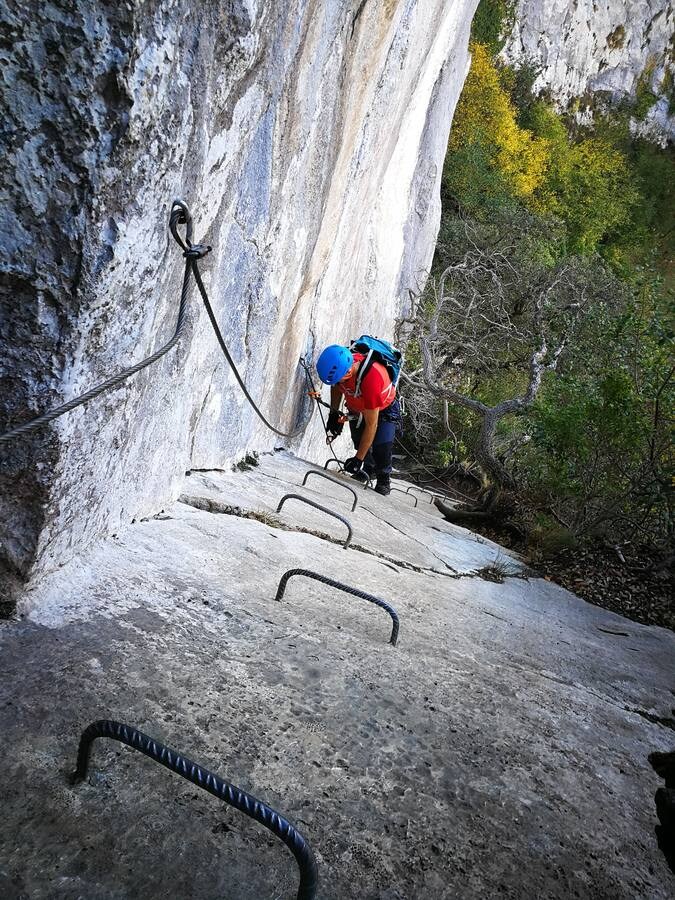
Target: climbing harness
323	509
349	590
233	796
180	215
334	480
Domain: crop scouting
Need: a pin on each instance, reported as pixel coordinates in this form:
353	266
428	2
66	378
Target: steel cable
320	403
115	380
202	778
228	357
180	215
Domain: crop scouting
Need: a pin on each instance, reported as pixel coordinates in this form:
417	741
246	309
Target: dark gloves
334	425
353	465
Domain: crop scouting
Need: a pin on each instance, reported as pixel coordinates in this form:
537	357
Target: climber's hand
334	425
353	465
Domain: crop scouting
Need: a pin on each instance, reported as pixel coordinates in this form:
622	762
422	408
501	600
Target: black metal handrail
206	780
334	480
322	508
405	493
349	590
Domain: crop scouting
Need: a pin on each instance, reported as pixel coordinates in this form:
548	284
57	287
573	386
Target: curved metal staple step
333	460
206	780
349	590
334	480
405	493
422	491
322	508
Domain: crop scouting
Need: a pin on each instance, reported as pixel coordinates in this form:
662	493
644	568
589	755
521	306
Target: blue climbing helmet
334	363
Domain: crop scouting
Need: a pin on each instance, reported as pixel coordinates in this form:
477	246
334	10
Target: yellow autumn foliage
586	183
485	115
589	183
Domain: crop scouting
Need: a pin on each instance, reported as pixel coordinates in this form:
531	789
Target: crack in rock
208	504
664	721
409	538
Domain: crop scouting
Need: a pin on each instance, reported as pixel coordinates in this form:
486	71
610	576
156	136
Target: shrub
591	455
599	450
490	158
492	22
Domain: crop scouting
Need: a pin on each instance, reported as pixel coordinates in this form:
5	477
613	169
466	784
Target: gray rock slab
390	526
500	749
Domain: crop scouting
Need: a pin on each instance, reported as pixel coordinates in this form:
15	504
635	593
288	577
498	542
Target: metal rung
334	480
422	491
405	493
322	508
206	780
343	587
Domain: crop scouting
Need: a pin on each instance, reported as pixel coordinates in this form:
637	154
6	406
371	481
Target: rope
201	777
319	404
180	215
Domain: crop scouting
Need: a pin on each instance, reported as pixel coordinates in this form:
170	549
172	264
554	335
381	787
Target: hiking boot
383	487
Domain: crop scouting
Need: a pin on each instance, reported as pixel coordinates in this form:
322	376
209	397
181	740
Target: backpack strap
363	369
400	369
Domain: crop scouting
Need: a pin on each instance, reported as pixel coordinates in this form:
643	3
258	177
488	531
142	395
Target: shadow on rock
664	766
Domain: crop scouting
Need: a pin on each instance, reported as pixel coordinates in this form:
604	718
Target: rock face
617	47
307	139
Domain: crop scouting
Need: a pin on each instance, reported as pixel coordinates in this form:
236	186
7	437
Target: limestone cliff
618	48
307	138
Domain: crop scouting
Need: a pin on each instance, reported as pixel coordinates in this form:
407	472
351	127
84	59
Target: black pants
378	459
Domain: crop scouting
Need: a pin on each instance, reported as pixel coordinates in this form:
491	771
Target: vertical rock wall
308	139
615	47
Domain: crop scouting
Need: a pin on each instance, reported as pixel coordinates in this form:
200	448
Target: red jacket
377	390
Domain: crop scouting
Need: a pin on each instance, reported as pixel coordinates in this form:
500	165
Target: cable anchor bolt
197	251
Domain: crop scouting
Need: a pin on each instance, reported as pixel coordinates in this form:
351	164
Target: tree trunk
484	449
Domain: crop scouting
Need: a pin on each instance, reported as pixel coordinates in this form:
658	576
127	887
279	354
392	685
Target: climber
374	412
